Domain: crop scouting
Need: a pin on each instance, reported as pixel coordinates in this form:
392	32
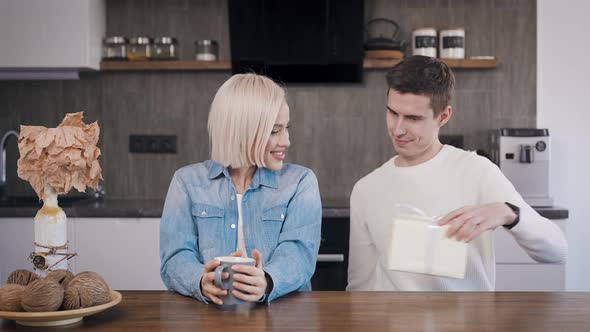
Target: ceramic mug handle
218	281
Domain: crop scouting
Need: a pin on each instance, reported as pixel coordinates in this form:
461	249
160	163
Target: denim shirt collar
262	177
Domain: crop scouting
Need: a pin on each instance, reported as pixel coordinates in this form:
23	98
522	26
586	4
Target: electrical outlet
152	144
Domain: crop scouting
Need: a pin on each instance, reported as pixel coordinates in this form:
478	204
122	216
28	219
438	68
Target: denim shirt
281	213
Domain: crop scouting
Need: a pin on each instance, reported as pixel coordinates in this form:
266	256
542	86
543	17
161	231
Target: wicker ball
42	295
62	277
10	297
21	277
87	289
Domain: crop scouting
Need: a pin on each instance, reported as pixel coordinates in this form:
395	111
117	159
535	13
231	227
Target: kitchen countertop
119	208
347	311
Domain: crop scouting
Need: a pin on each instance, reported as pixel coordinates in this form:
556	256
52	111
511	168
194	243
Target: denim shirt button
233	226
282	216
232	197
203	213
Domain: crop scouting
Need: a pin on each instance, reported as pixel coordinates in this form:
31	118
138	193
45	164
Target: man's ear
445	116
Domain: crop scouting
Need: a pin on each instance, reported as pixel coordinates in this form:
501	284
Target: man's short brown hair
422	75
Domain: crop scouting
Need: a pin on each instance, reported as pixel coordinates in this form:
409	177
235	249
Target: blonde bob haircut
241	119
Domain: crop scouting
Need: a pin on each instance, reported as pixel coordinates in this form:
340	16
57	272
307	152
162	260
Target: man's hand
249	281
468	222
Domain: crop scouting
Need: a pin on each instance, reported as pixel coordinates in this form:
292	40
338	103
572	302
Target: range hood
303	41
50	40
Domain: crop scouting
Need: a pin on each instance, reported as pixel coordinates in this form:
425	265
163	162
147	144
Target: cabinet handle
337	258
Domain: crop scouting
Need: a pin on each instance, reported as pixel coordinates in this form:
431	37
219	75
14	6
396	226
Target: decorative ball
62	277
10	297
87	289
76	298
42	295
21	277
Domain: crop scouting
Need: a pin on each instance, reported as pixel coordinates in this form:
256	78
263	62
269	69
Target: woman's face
277	145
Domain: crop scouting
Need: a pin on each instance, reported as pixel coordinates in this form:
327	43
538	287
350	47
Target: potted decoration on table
53	160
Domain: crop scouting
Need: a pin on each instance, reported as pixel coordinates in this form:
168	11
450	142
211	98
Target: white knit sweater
452	179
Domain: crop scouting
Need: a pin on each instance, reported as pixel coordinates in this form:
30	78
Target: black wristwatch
269	286
516	210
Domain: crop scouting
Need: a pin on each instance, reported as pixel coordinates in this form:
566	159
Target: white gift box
418	245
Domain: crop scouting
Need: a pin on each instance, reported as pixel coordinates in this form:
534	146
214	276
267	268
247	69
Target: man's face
412	126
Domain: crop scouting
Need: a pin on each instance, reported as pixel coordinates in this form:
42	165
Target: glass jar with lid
114	48
207	50
164	48
139	48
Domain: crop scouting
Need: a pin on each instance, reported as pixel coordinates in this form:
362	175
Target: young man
468	190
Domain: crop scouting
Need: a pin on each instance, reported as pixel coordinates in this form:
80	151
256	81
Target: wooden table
347	311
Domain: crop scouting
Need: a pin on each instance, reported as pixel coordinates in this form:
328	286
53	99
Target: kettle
374	41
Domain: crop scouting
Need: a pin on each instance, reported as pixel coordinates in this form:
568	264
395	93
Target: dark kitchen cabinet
332	266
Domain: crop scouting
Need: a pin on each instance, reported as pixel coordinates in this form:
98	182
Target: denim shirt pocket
209	223
272	223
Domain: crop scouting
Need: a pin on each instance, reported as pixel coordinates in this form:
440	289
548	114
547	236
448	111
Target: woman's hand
250	281
208	288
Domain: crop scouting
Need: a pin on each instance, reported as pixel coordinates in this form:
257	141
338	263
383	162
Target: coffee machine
524	156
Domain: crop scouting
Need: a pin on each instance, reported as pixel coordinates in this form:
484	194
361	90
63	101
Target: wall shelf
164	65
453	63
191	65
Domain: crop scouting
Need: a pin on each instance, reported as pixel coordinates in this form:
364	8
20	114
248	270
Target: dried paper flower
63	157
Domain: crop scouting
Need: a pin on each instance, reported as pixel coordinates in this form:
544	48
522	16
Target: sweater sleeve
542	239
362	257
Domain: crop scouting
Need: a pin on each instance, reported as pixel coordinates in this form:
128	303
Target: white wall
563	106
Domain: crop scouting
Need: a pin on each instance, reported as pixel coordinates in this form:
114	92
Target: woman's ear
445	116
